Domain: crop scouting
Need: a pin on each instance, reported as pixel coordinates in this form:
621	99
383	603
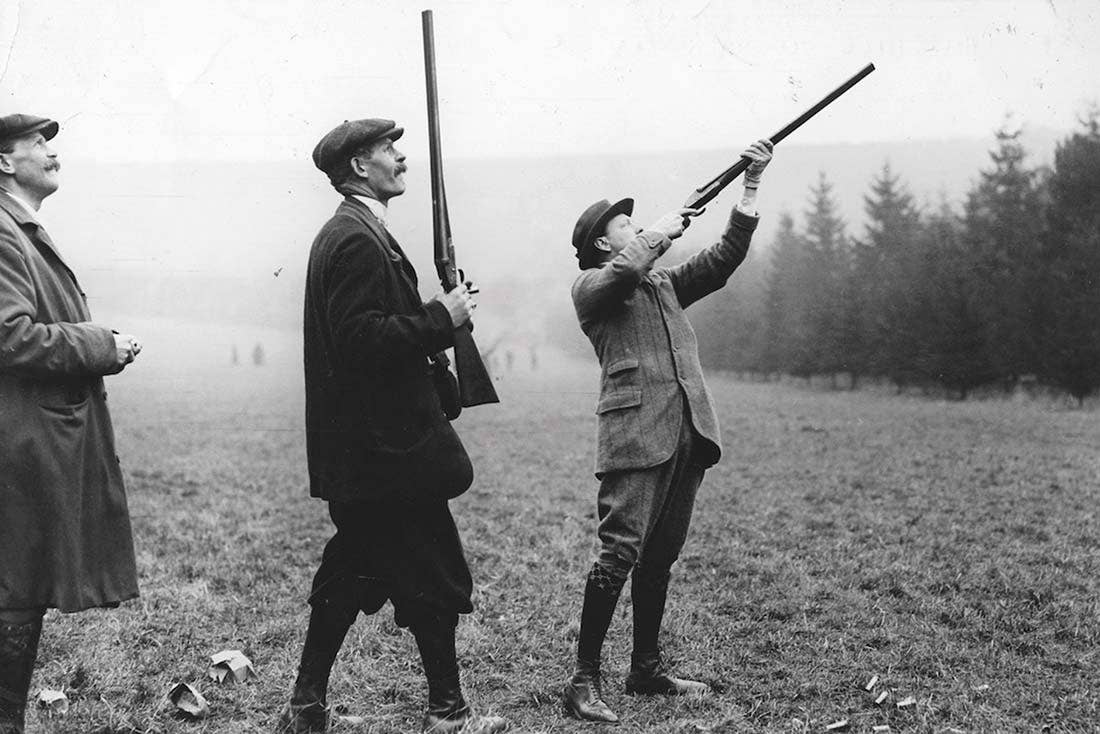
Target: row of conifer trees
1005	291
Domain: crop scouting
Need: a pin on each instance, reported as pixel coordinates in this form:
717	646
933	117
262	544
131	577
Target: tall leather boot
18	650
448	712
648	674
583	695
307	712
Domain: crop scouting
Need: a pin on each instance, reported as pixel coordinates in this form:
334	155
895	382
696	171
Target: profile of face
33	165
620	231
381	170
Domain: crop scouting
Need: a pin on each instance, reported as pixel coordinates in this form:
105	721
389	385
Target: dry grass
949	548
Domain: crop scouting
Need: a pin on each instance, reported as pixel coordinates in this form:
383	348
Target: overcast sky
244	79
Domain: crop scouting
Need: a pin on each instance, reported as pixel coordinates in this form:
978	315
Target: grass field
951	549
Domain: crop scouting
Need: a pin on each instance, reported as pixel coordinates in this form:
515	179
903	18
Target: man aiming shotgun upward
658	431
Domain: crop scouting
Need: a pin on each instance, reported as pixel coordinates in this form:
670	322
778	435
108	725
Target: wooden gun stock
475	387
705	193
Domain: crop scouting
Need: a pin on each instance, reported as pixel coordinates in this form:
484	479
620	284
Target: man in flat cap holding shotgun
657	432
379	447
65	538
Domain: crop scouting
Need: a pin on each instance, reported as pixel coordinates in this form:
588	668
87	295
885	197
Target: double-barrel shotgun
475	387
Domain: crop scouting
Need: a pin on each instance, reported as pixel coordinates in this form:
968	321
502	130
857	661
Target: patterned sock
601	594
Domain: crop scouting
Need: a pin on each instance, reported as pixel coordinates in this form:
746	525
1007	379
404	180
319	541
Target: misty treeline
1004	293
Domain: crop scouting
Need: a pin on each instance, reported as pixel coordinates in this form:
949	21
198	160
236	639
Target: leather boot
307	712
448	712
18	650
583	697
649	676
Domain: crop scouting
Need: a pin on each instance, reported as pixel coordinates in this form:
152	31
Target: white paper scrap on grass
230	665
188	700
56	702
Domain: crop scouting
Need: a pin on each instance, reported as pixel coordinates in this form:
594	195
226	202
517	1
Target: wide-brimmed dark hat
593	222
16	126
349	136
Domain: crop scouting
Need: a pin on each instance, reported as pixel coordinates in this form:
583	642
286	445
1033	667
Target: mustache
54	165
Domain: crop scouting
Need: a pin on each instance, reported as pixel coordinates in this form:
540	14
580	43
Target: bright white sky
246	79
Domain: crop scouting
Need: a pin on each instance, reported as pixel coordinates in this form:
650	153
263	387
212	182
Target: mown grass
952	549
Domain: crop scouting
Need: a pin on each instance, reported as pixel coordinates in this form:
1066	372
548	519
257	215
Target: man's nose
399	154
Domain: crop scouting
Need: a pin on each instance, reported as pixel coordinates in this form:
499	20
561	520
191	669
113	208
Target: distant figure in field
258	357
65	538
657	428
380	448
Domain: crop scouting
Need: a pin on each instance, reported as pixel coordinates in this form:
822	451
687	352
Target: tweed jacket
633	313
375	427
65	536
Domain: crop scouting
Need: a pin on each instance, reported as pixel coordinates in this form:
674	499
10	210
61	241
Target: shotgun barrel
475	386
705	193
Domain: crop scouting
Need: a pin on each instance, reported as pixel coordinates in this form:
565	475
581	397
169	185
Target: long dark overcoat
375	429
65	537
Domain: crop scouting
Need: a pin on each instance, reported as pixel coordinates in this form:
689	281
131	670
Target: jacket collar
31	226
362	213
359	211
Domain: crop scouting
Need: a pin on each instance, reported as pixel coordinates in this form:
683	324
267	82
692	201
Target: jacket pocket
61	396
623	397
622	366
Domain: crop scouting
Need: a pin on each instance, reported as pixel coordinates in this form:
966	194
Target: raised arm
598	289
709	270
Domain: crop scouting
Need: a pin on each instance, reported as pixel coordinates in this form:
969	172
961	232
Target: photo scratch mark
731	52
11	48
210	62
701	11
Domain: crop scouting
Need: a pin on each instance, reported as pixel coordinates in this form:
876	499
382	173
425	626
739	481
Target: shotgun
475	387
703	195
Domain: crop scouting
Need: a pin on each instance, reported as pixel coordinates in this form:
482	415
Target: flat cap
16	126
593	221
350	136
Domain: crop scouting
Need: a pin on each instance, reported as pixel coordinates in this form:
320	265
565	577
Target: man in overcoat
65	537
380	449
657	429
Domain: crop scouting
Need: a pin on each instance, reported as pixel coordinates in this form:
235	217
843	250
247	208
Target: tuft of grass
949	548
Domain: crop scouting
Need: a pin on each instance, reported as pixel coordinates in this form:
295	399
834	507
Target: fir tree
1071	339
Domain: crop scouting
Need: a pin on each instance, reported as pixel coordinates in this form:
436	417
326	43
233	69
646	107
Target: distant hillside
208	238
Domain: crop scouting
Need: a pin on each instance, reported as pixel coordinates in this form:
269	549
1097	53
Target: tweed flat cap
593	221
16	126
349	136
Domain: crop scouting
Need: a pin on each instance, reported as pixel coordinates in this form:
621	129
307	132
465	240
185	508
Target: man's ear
601	243
357	166
6	166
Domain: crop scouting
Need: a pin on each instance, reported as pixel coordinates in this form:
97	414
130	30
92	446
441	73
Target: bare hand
127	348
673	224
760	153
459	304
